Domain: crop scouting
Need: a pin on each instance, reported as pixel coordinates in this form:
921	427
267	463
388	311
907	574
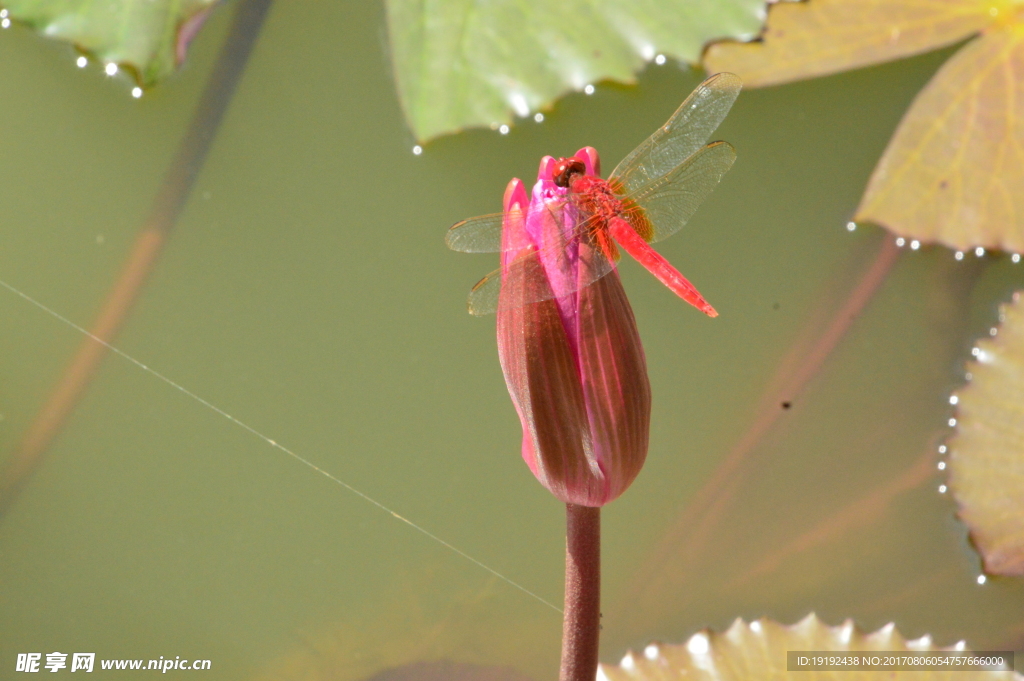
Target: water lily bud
569	348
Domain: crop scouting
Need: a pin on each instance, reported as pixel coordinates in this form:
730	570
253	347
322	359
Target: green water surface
307	292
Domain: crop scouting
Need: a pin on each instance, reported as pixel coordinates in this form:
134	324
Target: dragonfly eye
565	169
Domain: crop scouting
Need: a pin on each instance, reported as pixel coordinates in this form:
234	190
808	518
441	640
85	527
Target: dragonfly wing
483	234
476	235
669	202
686	131
483	297
528	278
519	282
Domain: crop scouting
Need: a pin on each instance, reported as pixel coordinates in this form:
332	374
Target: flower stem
582	624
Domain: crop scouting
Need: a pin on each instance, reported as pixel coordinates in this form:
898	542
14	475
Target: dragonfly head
565	168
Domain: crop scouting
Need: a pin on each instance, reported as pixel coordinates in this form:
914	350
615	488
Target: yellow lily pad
809	39
986	455
757	651
954	171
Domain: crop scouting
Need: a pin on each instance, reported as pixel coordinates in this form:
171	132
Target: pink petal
616	389
590	159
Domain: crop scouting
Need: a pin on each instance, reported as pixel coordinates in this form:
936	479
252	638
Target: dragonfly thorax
594	197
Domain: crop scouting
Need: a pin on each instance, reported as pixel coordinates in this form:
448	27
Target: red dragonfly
649	196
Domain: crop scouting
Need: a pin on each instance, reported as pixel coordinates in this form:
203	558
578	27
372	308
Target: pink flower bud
572	359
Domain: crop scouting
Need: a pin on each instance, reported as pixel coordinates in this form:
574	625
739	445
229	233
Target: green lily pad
757	651
463	63
953	172
148	37
986	455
